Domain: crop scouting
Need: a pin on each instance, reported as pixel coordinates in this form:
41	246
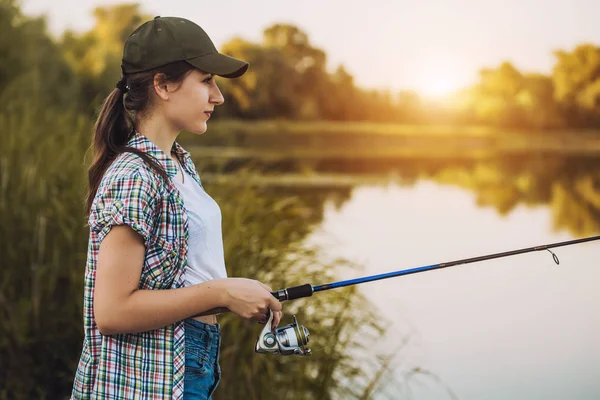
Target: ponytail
111	133
115	126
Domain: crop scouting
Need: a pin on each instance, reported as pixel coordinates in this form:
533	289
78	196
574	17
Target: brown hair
116	124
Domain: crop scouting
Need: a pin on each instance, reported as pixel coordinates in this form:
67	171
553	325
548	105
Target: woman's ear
160	86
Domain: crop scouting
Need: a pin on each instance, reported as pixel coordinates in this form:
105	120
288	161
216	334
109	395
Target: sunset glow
438	84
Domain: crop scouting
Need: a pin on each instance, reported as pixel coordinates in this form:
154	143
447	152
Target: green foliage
32	63
569	97
42	242
505	97
264	240
288	79
95	56
42	232
576	77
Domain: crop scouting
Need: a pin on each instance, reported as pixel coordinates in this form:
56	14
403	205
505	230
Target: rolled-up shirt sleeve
124	200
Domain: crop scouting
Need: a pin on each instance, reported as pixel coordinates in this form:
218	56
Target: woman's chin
199	130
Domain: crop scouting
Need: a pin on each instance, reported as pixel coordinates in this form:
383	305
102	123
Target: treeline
288	79
568	98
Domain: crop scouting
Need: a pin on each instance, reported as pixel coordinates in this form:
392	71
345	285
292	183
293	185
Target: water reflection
568	184
513	328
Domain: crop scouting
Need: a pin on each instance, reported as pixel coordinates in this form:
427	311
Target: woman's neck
158	131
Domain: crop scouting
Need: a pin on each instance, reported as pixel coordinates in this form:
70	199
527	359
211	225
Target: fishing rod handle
296	292
292	293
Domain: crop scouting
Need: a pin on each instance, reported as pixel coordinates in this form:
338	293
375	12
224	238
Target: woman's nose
216	97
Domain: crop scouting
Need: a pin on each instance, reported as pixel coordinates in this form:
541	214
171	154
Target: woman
155	256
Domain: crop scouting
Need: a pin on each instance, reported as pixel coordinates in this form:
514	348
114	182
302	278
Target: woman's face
192	101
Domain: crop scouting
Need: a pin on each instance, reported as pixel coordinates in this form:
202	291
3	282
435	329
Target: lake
519	327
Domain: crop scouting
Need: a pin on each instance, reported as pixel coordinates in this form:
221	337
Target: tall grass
42	249
264	240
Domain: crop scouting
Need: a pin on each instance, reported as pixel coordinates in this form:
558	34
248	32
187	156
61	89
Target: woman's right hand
249	298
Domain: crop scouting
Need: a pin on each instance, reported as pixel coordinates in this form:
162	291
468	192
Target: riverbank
277	140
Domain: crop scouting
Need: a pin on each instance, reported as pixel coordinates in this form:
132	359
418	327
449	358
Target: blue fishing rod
293	338
307	290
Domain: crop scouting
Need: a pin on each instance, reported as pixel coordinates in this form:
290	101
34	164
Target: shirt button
168	263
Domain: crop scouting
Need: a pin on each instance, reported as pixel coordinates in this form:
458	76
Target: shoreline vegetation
286	126
276	140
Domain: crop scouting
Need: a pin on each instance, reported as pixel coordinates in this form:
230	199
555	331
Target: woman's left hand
276	315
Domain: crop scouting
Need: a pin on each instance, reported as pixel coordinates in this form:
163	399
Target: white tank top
206	258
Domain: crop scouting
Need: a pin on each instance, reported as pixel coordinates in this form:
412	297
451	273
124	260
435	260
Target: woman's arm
119	307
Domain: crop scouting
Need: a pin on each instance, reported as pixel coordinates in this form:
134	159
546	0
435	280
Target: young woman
155	265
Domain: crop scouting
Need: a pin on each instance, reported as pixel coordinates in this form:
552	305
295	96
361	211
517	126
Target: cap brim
220	64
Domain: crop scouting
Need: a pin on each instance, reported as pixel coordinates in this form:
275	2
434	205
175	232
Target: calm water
514	328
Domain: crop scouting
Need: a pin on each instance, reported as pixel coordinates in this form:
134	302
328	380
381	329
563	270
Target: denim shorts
202	370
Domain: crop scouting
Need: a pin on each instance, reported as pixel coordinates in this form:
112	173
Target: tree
496	95
95	56
32	67
507	97
536	100
267	90
576	78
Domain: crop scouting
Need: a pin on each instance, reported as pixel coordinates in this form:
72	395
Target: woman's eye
207	80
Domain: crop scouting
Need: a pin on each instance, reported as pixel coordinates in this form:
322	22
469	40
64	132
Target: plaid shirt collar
141	142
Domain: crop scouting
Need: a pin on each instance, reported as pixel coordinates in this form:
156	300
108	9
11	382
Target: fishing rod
293	338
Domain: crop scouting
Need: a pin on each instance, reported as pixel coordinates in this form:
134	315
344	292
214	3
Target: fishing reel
286	340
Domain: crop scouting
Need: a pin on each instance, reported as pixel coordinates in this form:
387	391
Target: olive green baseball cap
164	40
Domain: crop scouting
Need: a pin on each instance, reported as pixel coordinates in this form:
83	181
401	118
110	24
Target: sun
439	82
438	85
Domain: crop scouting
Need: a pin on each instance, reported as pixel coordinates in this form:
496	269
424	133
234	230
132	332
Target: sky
431	46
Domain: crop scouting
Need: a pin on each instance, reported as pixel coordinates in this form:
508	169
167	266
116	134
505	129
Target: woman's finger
263	317
276	319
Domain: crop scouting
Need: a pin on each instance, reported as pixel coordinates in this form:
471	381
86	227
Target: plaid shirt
145	365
